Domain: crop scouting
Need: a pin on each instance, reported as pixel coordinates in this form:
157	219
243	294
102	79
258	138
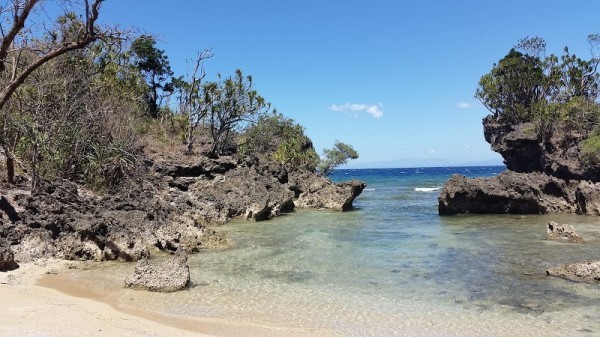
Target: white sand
30	309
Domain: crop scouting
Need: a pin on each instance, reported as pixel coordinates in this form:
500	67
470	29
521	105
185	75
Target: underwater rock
585	271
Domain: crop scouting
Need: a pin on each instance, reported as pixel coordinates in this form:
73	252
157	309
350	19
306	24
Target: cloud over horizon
464	105
373	110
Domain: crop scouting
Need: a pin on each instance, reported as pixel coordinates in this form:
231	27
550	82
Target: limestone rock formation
169	276
318	192
170	206
565	232
586	271
543	175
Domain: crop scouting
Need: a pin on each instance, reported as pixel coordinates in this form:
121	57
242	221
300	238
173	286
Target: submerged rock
585	271
170	276
554	231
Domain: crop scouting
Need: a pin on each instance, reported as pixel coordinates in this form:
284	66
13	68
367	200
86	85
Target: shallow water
391	267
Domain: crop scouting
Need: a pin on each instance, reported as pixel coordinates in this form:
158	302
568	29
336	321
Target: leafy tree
233	105
336	156
21	55
514	87
526	86
155	66
279	139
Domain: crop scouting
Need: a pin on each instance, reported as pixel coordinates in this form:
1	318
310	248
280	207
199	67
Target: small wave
427	189
369	189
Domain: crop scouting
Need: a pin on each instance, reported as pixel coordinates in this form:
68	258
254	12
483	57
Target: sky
395	79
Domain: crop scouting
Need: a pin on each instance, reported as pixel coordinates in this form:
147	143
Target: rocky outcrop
170	206
509	192
318	192
586	271
169	276
544	175
564	232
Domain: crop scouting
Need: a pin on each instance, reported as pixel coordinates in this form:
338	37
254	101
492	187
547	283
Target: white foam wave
369	189
427	189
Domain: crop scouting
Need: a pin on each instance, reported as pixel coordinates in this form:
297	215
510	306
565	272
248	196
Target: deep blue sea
391	267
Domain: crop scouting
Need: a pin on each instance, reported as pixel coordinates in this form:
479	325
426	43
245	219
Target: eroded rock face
586	271
318	192
563	232
508	193
170	206
7	259
544	175
169	276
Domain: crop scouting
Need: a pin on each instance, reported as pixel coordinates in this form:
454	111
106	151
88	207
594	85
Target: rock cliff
544	175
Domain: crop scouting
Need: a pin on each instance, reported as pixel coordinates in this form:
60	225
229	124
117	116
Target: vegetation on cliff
552	92
84	102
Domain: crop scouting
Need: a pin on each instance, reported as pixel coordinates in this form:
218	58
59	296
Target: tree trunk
10	169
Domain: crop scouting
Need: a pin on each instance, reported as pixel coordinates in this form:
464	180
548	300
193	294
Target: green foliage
526	86
155	66
233	105
513	88
279	139
590	150
336	156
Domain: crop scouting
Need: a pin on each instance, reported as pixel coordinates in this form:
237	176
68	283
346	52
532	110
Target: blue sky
395	79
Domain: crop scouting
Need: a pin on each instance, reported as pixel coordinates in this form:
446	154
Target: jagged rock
585	271
125	245
509	192
566	232
314	191
545	175
7	258
171	275
169	206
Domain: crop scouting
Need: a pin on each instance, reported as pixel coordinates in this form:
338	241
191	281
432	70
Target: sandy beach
37	301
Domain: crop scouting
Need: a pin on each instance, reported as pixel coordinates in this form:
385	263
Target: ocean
391	267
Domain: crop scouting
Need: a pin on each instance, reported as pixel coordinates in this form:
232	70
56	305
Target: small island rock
170	276
554	231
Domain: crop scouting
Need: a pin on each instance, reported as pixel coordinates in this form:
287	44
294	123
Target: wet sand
36	300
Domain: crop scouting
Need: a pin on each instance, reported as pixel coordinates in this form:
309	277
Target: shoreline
38	300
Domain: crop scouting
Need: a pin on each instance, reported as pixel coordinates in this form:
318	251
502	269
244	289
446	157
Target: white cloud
464	105
358	109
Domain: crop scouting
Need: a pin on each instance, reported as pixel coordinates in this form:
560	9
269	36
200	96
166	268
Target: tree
20	56
233	105
281	140
514	87
155	66
336	156
194	102
526	87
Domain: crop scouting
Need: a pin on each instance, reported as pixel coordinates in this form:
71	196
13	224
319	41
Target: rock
508	193
566	232
7	258
545	174
314	191
585	271
170	276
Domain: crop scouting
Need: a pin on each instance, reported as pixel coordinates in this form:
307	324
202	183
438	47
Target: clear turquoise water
392	267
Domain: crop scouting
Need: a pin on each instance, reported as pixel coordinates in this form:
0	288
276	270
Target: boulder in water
585	271
554	231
